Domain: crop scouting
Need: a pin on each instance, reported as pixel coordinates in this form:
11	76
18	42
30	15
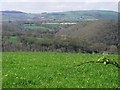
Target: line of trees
50	43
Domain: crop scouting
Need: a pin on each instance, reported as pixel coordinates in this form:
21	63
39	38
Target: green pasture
13	38
35	27
57	70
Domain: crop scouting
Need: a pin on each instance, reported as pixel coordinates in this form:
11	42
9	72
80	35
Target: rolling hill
83	15
68	15
95	31
16	16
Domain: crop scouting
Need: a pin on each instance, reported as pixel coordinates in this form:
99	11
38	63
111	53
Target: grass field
13	38
34	27
57	70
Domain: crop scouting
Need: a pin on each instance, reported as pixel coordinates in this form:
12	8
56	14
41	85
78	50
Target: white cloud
60	1
38	7
101	0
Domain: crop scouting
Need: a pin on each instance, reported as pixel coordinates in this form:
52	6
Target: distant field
35	27
13	38
45	26
57	70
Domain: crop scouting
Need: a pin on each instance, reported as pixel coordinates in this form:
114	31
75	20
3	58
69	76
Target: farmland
43	51
34	27
45	26
57	70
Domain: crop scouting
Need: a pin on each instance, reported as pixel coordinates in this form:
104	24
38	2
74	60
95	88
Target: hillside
57	70
16	15
68	15
100	31
83	15
87	36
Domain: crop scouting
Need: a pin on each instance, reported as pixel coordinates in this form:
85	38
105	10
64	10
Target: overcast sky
39	6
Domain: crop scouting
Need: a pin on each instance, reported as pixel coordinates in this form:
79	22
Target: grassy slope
53	70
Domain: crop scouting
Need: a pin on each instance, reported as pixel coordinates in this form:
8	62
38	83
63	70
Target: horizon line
57	11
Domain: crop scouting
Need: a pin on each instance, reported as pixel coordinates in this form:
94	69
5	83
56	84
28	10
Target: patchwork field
57	70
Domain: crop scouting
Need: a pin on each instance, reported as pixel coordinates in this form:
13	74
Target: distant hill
68	16
15	15
15	12
99	31
83	15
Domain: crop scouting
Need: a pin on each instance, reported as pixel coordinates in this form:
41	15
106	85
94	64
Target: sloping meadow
57	70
